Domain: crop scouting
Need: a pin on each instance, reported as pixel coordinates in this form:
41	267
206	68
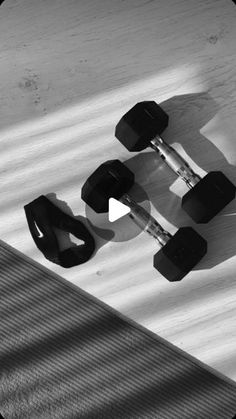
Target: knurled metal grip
145	221
175	161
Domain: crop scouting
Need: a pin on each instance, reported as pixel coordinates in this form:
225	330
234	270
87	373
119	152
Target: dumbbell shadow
187	115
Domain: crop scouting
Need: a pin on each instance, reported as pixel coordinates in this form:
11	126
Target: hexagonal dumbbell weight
141	127
179	253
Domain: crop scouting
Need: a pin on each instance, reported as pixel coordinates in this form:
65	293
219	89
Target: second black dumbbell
141	127
179	253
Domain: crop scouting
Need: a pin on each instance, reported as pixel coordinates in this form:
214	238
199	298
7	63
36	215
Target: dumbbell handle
175	161
145	221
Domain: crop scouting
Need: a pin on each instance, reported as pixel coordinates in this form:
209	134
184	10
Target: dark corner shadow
1	2
187	115
64	237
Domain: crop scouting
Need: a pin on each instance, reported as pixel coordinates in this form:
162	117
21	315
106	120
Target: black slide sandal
42	215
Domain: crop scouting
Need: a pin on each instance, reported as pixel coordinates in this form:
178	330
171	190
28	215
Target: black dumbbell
179	253
141	127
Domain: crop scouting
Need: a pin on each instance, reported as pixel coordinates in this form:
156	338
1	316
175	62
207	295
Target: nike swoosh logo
39	231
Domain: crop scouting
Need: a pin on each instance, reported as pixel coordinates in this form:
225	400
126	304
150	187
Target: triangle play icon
117	210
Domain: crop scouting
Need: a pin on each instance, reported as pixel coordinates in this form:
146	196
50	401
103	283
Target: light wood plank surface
68	72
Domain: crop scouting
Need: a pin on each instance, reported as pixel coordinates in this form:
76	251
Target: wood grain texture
69	71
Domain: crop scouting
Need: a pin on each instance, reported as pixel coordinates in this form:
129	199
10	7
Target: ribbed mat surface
64	354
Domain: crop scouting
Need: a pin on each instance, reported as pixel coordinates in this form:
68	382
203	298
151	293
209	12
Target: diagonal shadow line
67	148
155	300
32	254
27	281
54	129
67	338
8	267
62	336
85	366
98	326
25	196
152	70
158	304
167	391
204	322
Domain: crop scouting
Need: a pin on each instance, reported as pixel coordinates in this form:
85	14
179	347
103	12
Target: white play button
122	229
117	210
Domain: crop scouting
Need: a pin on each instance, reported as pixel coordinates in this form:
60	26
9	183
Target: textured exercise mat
66	355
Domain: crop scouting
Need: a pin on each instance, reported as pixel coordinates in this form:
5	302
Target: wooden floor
68	72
